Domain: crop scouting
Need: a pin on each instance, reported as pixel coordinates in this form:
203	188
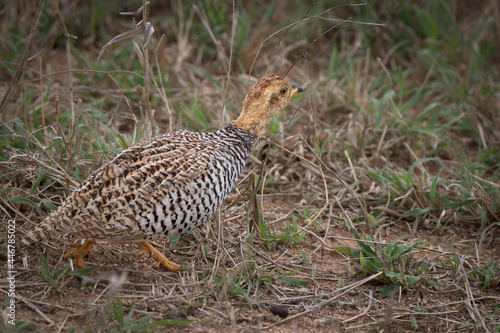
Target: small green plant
239	286
428	197
56	276
306	213
245	283
305	257
392	260
488	275
292	234
53	276
267	233
20	326
414	325
259	185
125	322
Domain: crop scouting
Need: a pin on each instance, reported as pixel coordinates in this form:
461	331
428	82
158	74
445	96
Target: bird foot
161	260
80	251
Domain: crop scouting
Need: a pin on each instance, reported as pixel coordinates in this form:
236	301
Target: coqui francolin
166	185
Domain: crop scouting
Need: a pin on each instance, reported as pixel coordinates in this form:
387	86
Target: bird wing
109	204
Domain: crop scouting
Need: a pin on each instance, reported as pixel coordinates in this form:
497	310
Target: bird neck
253	122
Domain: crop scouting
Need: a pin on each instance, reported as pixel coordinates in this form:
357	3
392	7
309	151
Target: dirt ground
438	304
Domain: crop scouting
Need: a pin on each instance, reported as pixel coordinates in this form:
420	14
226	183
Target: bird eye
283	90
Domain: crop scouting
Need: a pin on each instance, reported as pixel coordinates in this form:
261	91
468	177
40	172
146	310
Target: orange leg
80	251
161	260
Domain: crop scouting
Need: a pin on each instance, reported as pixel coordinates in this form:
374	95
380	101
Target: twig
470	304
341	291
377	322
228	67
37	310
161	89
33	307
368	307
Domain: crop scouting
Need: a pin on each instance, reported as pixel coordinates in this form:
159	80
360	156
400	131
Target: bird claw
168	265
78	252
161	260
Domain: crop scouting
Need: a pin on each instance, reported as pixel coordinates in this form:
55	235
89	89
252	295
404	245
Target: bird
166	185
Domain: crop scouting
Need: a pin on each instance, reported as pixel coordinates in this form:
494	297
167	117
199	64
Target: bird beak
296	88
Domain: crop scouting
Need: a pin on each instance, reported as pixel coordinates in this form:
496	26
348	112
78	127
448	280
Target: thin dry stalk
228	67
470	303
365	311
42	105
340	292
67	37
33	307
24	59
161	88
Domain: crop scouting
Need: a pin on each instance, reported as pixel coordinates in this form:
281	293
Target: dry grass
398	127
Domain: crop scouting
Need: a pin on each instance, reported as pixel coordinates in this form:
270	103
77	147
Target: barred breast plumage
166	185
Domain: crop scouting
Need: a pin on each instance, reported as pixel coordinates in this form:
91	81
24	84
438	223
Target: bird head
266	98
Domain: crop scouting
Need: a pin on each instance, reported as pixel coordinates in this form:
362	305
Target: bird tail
41	233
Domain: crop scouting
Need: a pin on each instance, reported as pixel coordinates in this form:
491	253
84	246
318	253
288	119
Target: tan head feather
266	98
